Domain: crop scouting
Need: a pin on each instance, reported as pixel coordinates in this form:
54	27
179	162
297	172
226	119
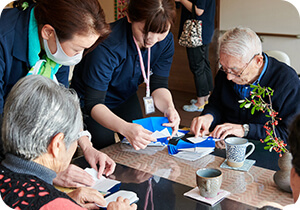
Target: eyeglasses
232	71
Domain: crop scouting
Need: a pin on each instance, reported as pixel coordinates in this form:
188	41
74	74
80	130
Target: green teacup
209	181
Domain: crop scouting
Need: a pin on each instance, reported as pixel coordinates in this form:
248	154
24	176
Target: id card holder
149	105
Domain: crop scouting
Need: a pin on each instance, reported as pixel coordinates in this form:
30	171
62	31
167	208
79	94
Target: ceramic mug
236	151
209	181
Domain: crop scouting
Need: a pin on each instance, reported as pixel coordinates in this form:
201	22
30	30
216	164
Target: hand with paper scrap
94	157
138	137
174	120
200	125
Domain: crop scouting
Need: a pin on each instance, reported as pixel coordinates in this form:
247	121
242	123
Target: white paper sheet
103	184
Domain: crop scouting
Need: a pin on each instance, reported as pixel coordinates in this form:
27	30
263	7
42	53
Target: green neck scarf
42	66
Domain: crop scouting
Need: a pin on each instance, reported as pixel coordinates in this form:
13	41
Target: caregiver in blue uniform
46	37
139	49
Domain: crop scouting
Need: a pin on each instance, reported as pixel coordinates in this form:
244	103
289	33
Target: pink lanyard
146	78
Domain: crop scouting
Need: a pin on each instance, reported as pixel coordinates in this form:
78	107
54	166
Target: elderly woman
41	126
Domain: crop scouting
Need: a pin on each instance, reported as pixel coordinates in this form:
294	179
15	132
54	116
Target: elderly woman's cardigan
28	185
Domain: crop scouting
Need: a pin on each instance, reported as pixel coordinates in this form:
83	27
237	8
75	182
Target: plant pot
282	177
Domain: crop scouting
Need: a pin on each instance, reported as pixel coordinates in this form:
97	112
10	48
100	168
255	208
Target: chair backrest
279	55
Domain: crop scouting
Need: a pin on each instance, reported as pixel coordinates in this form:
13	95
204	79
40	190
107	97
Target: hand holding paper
138	136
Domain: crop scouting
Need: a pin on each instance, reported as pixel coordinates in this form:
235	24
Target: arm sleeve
92	98
61	203
158	82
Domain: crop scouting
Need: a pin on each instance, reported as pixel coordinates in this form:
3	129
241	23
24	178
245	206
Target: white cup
236	151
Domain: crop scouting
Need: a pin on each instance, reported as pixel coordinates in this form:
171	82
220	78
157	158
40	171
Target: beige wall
266	16
108	7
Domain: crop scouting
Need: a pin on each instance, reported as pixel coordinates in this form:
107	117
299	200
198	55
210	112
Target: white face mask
60	56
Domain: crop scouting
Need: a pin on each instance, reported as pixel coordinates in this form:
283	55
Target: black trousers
103	137
200	67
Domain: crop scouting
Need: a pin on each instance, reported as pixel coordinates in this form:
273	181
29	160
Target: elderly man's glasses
234	71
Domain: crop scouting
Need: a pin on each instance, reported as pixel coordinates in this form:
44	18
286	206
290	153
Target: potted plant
258	102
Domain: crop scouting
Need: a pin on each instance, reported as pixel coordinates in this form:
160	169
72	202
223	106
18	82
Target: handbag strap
193	10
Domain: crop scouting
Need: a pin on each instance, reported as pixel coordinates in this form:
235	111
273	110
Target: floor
180	98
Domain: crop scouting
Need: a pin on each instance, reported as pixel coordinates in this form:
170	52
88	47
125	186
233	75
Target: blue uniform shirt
113	66
14	49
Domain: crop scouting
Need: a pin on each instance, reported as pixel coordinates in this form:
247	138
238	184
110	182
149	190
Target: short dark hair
294	143
157	14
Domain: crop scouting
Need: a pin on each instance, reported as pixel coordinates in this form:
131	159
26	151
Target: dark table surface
159	193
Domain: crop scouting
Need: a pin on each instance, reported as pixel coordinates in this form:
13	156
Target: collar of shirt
244	90
19	165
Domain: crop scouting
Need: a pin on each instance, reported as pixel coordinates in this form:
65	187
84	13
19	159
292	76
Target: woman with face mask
46	37
139	49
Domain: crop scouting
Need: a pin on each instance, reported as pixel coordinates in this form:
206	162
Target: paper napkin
246	167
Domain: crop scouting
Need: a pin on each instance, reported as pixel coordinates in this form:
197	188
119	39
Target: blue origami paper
174	149
155	124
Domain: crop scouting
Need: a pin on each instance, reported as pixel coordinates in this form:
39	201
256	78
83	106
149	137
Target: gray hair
239	42
37	109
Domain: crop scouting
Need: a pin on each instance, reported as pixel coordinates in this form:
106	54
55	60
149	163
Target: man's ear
47	31
57	145
259	59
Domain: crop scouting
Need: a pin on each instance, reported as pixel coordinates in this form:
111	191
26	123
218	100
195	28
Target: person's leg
199	65
103	137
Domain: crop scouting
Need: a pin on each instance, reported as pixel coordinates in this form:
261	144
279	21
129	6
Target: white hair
37	109
239	42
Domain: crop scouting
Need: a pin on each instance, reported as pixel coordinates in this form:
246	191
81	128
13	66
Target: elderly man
41	126
243	63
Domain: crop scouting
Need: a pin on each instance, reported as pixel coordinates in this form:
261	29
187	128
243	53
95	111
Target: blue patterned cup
209	181
236	151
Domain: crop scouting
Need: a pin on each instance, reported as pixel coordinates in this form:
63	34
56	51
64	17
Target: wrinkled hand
200	125
94	157
87	197
174	120
73	176
121	204
138	137
226	129
220	144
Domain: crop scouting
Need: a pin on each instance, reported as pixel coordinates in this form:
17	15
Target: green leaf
253	110
241	101
248	105
267	147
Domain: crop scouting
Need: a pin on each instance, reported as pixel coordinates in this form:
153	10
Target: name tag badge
149	105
